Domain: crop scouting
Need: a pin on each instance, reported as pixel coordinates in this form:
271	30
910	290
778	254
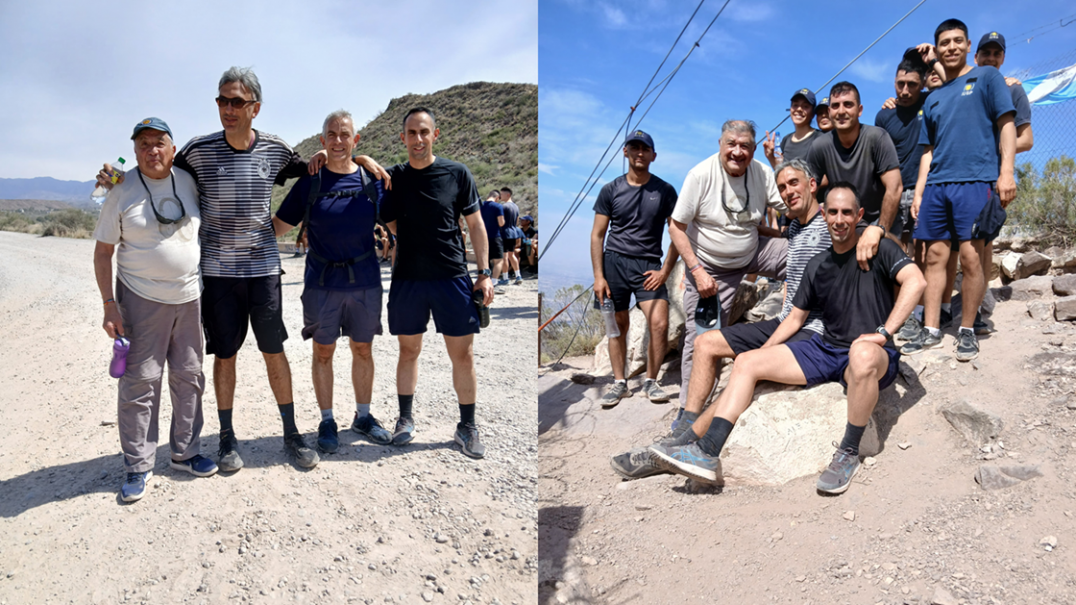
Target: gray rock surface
1041	310
976	426
990	477
1065	308
1032	287
1065	285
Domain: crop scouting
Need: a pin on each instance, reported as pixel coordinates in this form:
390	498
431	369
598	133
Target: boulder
1065	285
745	299
1032	263
1041	310
1008	264
1032	287
977	427
1066	261
1065	308
989	302
772	297
997	477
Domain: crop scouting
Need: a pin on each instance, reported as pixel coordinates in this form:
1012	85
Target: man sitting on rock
856	347
807	236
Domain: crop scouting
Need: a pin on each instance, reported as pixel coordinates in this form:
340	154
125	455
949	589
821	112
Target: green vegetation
1046	203
68	222
558	335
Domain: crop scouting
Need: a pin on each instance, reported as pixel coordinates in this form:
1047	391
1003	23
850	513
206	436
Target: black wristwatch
881	330
485	272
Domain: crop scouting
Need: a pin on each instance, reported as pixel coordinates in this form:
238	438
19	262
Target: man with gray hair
715	227
152	221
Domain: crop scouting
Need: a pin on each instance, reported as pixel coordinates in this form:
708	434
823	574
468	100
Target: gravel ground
370	524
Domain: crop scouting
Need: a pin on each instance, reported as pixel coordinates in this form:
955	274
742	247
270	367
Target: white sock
327	414
968	330
362	409
935	332
623	382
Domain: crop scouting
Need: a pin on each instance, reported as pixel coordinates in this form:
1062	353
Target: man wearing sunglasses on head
151	223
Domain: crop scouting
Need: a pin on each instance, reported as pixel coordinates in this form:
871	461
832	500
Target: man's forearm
102	269
479	243
910	292
787	328
890	204
597	257
924	170
682	245
670	258
1025	139
1007	148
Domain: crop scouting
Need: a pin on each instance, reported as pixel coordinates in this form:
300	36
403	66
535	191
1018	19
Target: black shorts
509	243
229	303
744	337
496	248
625	275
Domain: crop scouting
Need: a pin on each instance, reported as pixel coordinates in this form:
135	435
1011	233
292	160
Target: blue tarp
1055	87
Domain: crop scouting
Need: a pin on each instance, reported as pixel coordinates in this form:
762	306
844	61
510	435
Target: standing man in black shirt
428	196
859	315
634	209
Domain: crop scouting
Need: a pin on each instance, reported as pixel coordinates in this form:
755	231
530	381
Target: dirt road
370	524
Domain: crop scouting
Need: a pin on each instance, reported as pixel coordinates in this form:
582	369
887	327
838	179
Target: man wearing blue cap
634	209
795	145
151	221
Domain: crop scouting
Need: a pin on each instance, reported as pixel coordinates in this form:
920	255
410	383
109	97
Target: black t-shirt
637	215
791	150
426	205
872	155
904	125
853	302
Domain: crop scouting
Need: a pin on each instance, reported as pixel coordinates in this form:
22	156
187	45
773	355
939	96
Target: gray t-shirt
872	155
791	150
637	215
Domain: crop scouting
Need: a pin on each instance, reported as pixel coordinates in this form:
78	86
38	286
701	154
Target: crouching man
859	315
151	221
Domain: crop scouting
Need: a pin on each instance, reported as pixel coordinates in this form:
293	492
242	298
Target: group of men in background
513	240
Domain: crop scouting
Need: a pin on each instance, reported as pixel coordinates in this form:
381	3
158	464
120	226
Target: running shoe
197	465
920	343
635	464
838	475
909	330
404	431
296	447
654	392
371	428
228	453
327	440
135	486
967	346
503	281
688	460
519	280
467	437
618	391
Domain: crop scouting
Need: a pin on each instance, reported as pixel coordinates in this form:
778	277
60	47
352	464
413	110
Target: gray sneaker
371	428
467	438
967	346
909	330
618	391
688	460
635	464
296	447
681	435
920	343
838	475
654	392
228	459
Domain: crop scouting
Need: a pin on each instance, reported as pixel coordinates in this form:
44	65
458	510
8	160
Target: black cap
806	94
912	55
642	137
708	313
991	38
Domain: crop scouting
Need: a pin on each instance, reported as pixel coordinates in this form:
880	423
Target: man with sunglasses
151	222
715	228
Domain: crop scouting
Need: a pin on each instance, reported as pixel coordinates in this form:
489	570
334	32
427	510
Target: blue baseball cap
527	217
823	103
152	123
991	38
642	137
806	94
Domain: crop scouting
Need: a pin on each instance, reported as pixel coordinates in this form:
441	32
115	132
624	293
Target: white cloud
749	12
548	169
614	17
870	70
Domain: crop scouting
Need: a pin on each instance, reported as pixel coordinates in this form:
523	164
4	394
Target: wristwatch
881	330
485	272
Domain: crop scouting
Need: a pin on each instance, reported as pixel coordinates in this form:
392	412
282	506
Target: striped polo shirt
234	188
804	243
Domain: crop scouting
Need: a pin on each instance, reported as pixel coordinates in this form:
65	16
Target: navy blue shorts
822	362
951	211
744	337
412	301
625	276
329	314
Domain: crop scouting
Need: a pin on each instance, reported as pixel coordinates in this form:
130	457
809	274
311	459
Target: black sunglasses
235	102
164	220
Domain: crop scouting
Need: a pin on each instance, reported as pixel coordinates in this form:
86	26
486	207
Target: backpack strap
311	198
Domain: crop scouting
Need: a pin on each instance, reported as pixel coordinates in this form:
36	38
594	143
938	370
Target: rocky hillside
492	128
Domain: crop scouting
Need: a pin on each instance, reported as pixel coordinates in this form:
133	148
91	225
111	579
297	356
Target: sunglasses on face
235	102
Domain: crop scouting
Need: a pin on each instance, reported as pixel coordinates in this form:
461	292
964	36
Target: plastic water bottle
119	357
100	193
777	145
609	314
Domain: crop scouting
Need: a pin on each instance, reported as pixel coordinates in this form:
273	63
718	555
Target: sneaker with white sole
688	460
635	464
371	428
467	438
197	465
404	431
618	391
297	448
134	487
967	346
909	330
228	458
838	475
923	341
655	393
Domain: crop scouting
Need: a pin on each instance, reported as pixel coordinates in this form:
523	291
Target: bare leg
407	366
461	353
710	348
988	263
322	374
362	371
657	317
224	381
279	377
950	278
974	286
867	364
937	255
618	346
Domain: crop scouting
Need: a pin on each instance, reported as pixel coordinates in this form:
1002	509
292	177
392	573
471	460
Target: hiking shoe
327	440
467	436
296	446
688	460
920	343
503	281
909	330
519	280
134	487
946	319
618	391
838	475
369	427
979	327
681	435
635	464
197	465
967	346
654	392
228	454
404	431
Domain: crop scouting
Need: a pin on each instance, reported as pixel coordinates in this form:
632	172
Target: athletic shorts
229	303
744	337
950	211
330	314
496	248
625	276
449	300
822	362
509	243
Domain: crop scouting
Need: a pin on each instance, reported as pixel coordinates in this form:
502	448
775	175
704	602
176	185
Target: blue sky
596	56
78	75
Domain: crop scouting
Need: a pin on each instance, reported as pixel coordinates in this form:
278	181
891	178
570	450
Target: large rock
1065	308
1066	261
1042	310
788	432
1032	263
1007	263
996	477
1064	285
772	297
977	426
1032	287
745	299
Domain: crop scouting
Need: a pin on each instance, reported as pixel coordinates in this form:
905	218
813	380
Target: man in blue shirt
970	147
493	218
342	282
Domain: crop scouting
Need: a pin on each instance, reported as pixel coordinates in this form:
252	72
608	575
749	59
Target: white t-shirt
721	237
157	261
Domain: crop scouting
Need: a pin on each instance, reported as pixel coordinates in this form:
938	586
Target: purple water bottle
119	357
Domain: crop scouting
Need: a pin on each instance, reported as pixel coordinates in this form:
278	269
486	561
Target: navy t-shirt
904	124
426	205
340	228
960	121
1022	105
853	302
637	215
490	212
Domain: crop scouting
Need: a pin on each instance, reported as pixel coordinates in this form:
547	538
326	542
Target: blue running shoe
197	465
838	475
688	460
135	487
327	439
371	428
405	431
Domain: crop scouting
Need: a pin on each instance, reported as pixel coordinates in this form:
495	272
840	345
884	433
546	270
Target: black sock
405	405
467	414
852	436
714	439
287	414
225	419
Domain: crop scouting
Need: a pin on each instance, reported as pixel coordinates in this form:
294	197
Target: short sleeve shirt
490	212
853	302
722	212
426	205
235	187
511	218
904	125
1022	105
793	150
805	241
637	215
872	155
960	122
341	228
